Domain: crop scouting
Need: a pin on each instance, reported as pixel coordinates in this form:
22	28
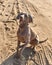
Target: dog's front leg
26	43
18	45
28	36
17	53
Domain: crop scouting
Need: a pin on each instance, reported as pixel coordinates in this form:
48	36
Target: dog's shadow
28	53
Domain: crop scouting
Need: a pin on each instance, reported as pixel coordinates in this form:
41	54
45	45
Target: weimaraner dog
24	33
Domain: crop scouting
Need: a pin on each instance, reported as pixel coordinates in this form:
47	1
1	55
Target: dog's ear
18	16
30	19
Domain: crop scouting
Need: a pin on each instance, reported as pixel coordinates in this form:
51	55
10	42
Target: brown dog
24	33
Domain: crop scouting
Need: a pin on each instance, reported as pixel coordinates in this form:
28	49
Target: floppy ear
18	16
30	19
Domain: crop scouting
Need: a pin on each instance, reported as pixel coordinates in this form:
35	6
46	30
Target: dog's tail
43	40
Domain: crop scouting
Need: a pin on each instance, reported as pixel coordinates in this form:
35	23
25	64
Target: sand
41	11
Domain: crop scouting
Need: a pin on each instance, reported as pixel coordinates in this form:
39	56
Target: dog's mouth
22	25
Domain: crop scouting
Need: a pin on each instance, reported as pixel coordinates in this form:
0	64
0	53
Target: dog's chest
22	34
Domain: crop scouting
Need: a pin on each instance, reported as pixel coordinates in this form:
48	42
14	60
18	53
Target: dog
25	33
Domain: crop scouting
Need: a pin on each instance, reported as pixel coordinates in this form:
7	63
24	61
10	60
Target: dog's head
24	18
